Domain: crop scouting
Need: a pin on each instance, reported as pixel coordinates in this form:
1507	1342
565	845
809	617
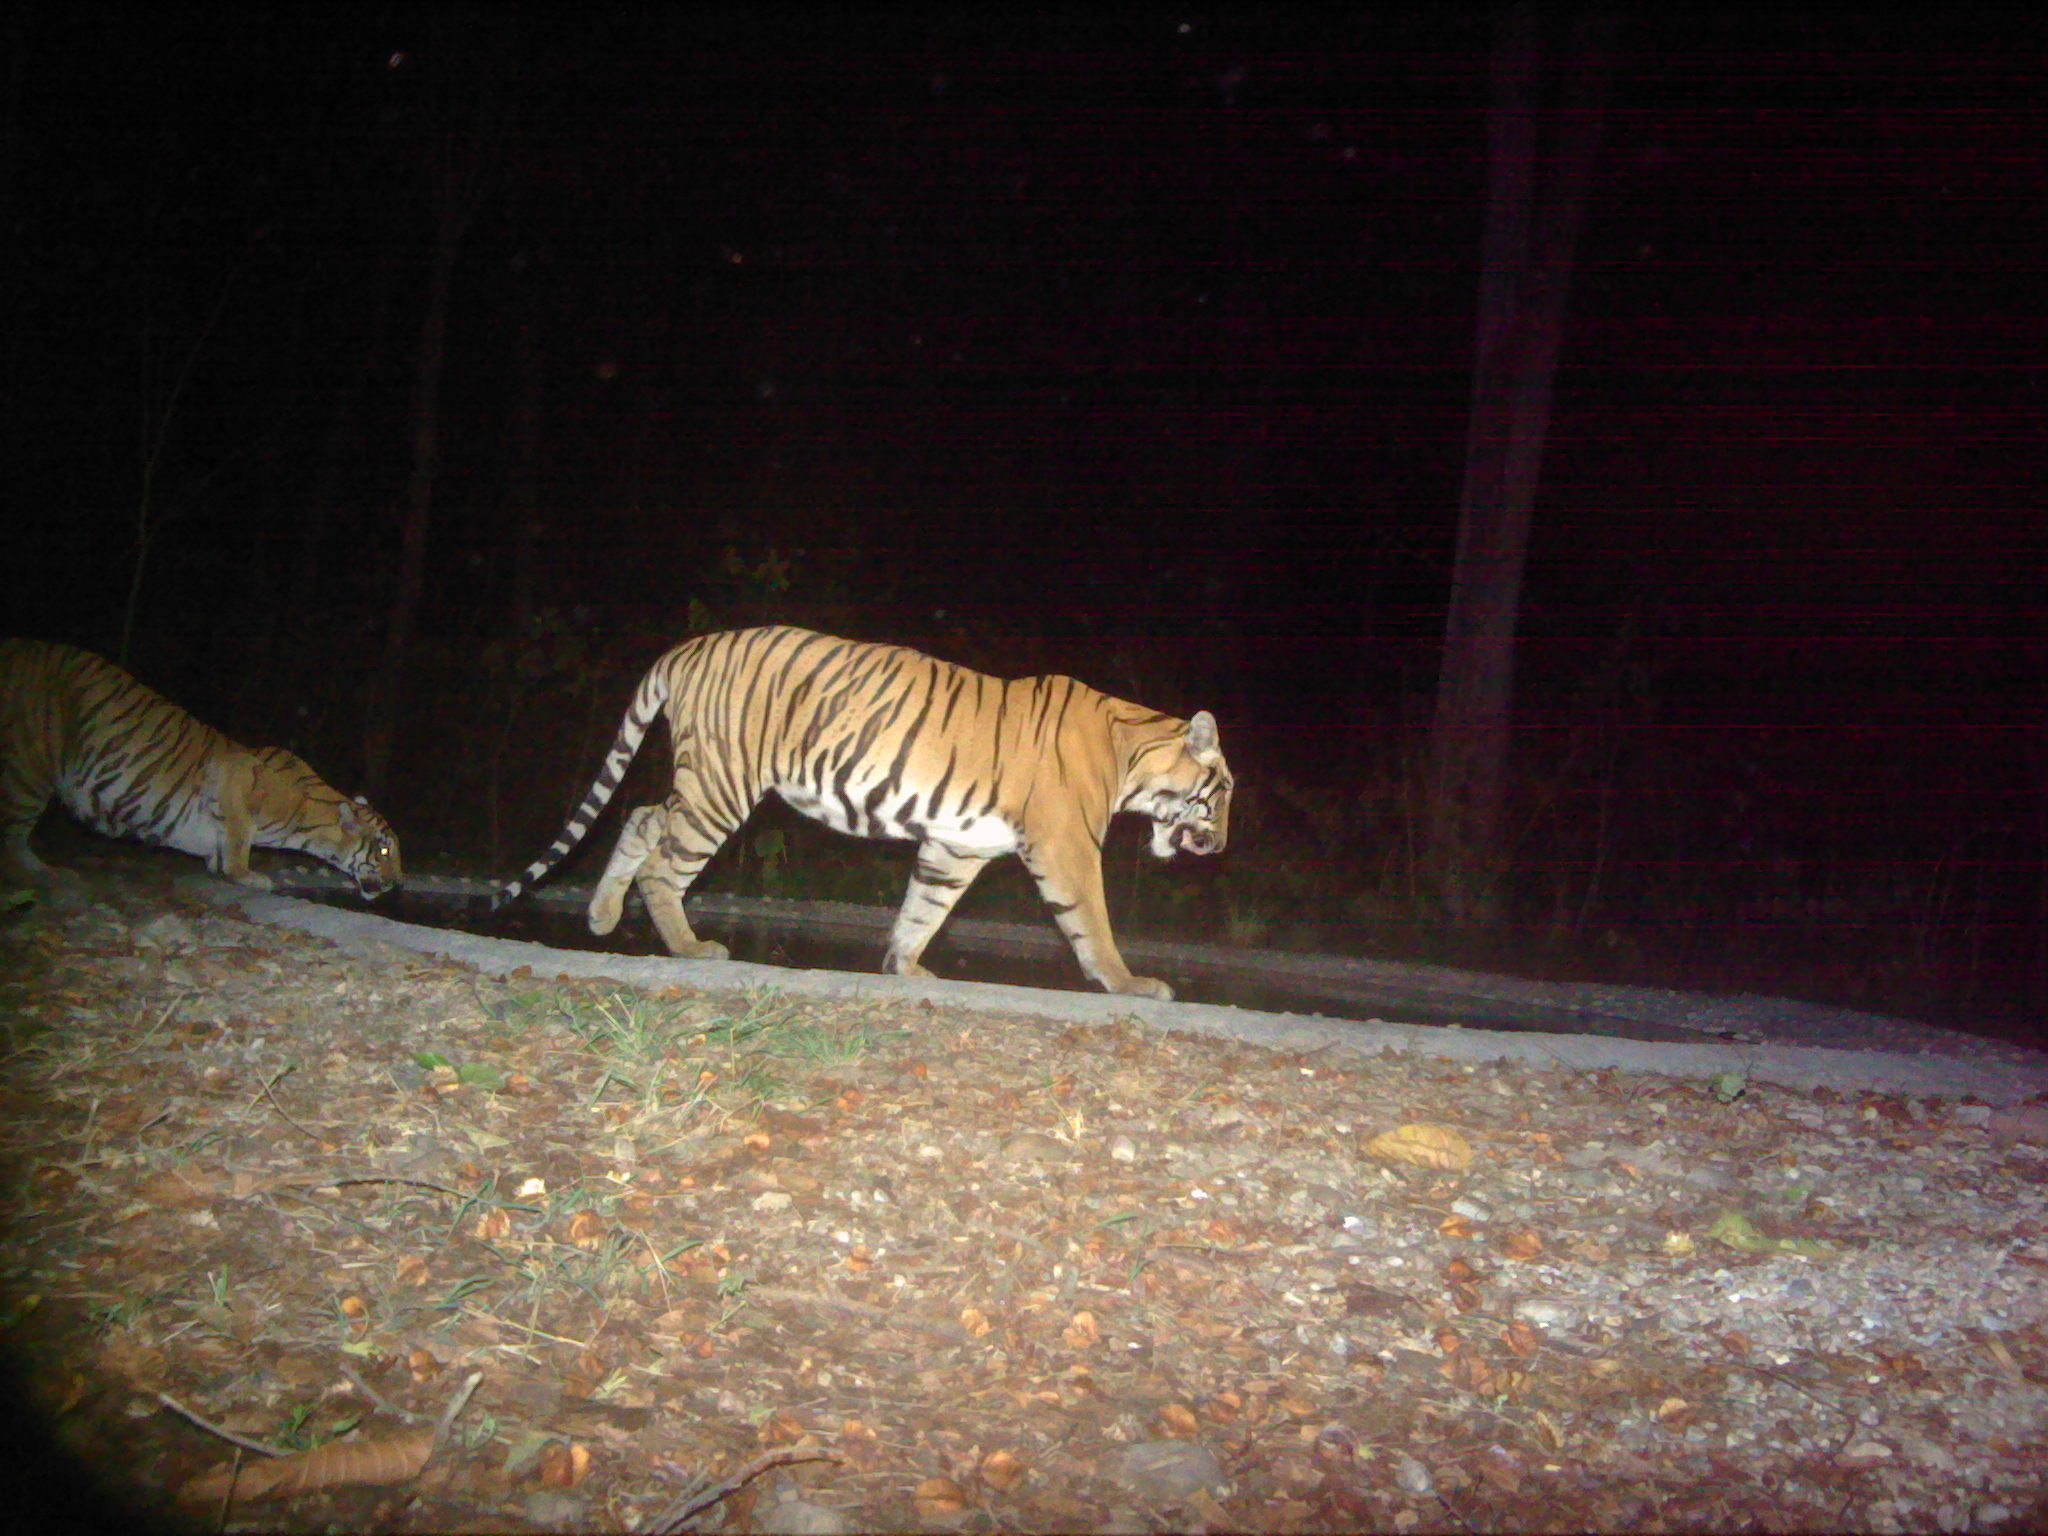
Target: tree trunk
341	442
524	492
1531	234
461	163
425	420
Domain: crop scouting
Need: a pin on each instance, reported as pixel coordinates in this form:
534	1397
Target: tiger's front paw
254	881
605	908
1146	986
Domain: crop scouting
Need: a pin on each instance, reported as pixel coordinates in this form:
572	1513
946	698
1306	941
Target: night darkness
1138	348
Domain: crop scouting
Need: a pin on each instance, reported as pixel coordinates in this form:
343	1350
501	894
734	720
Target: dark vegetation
404	381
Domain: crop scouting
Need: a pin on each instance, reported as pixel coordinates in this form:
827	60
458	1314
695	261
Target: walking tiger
881	741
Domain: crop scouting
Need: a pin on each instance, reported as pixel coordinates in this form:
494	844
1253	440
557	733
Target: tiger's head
1184	785
364	848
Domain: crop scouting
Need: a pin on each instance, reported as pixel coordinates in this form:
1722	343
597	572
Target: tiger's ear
1201	736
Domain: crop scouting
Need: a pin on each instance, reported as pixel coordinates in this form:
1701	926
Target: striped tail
648	702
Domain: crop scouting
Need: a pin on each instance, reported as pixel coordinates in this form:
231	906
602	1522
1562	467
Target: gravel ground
937	1263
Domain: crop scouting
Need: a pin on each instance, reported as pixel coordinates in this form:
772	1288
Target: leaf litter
747	1262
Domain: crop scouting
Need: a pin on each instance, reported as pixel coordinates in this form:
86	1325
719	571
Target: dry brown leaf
1998	1352
860	1446
1521	1337
1082	1332
1223	1232
1224	1407
1178	1419
1468	1369
587	1230
1000	1470
939	1498
564	1465
1455	1227
492	1225
1425	1146
638	1206
1524	1244
1500	1467
1449	1340
185	1185
380	1462
1460	1272
1465	1298
974	1322
783	1428
1336	1445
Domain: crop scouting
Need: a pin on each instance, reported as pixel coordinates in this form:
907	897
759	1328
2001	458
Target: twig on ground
282	1114
692	1504
211	1428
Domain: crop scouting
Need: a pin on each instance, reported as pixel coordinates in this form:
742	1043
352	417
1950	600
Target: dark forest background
395	383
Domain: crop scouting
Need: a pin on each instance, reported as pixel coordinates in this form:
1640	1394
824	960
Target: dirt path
931	1266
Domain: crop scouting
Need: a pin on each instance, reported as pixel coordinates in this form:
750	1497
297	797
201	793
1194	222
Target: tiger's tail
649	700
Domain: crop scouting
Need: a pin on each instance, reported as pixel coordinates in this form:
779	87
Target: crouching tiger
880	741
128	762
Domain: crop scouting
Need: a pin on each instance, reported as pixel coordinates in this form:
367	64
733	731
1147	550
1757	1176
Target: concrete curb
1788	1066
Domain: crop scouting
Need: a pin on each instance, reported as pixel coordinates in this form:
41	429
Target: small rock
552	1509
1167	1469
166	930
2027	1123
800	1517
1412	1477
1036	1147
1551	1316
1867	1451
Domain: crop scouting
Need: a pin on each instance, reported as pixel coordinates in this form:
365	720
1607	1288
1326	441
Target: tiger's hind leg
656	853
942	875
21	805
21	869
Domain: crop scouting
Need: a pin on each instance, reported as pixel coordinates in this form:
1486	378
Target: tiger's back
881	741
129	763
